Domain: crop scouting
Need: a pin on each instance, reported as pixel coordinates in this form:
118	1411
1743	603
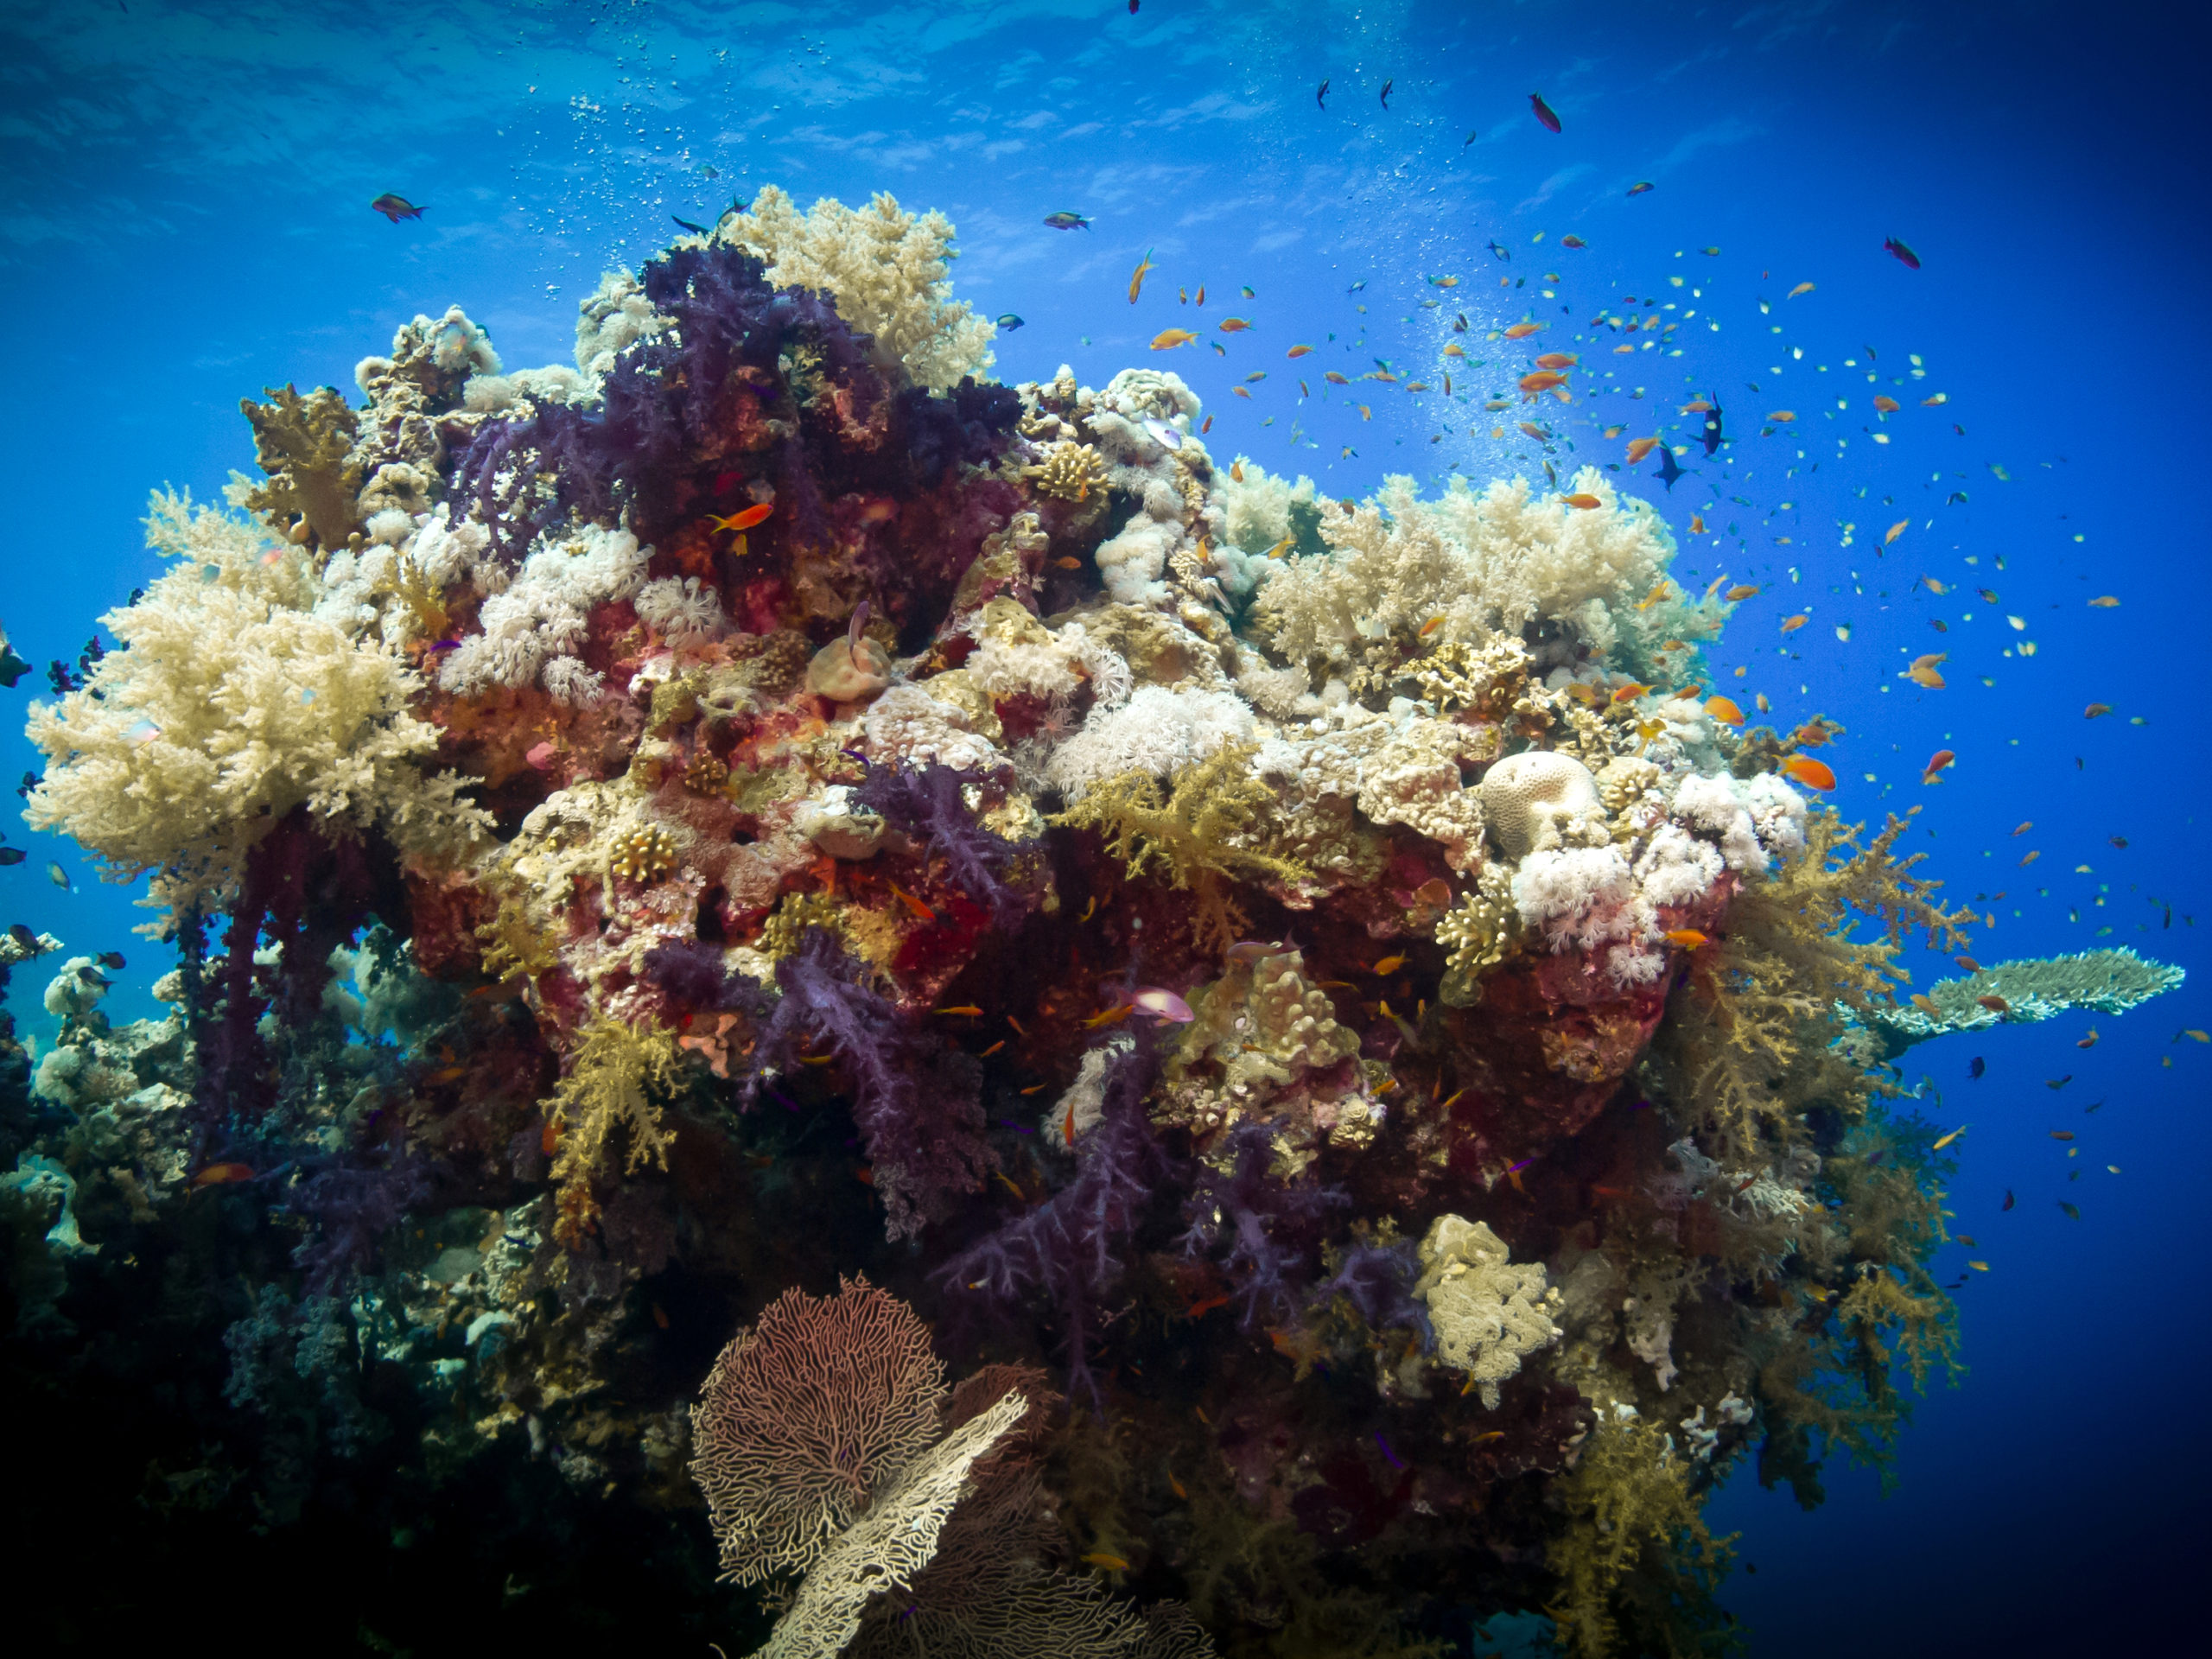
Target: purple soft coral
1269	1224
1067	1246
916	1101
926	803
1377	1280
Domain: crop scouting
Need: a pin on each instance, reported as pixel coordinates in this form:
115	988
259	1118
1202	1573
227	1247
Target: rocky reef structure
1306	980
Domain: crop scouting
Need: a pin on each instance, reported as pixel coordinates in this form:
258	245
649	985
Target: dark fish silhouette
1670	468
394	208
1906	256
1499	249
1711	437
1387	86
1543	111
1008	321
1321	94
1976	1066
695	229
1064	220
2009	1199
1472	136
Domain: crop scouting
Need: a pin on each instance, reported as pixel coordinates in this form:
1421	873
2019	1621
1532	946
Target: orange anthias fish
1581	500
1783	416
1136	281
1936	762
741	522
1724	710
1389	964
2096	709
1895	530
921	912
1334	378
1995	1004
1887	405
1689	938
1812	735
1697	523
1557	360
1922	672
1791	623
220	1174
1639	447
1522	330
1167	339
1808	771
1535	432
1738	595
1231	325
1111	1563
1300	351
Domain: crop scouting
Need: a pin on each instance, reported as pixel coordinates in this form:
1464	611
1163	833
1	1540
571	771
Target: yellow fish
1167	339
1895	530
1136	281
1281	547
1801	287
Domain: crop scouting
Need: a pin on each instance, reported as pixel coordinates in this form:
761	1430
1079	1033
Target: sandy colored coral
888	270
232	705
1489	1314
615	1080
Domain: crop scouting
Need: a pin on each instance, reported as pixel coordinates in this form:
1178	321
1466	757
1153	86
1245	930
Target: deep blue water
183	220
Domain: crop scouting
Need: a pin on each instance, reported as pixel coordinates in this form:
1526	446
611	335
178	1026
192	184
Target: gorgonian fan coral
763	804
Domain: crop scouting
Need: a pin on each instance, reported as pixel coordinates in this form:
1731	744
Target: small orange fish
1136	280
740	522
1791	623
1736	596
1808	771
2026	824
548	1138
1895	530
1431	626
1639	447
660	1316
1936	762
1241	392
1067	563
1300	351
1724	710
1198	1310
1582	501
2105	602
1888	405
1689	938
1927	1004
220	1174
1067	1126
1236	471
1630	692
1783	416
1522	330
1697	523
1334	378
1112	1016
1535	432
1389	964
1542	380
1922	672
1968	963
966	1010
1205	426
1167	339
865	1174
1657	594
2096	709
1111	1563
2089	1041
1811	735
2031	858
1558	361
921	912
1233	325
1176	1487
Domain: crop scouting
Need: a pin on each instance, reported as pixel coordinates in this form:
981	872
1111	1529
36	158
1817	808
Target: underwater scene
1145	828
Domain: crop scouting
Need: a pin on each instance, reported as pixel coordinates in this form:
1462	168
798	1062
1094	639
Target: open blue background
183	220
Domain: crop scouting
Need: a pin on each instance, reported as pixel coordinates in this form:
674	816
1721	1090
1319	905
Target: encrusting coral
765	804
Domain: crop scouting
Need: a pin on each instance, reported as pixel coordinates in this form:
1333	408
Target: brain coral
1537	799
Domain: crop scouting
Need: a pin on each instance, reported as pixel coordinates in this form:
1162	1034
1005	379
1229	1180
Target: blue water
183	221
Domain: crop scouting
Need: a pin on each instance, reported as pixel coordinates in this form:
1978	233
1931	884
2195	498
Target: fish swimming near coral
396	207
1008	321
1670	468
1168	339
1136	277
741	522
695	229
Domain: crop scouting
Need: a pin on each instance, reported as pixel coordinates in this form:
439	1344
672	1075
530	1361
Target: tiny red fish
395	207
220	1174
1543	111
744	521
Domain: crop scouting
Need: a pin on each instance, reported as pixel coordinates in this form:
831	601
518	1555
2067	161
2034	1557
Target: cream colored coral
1540	799
1264	1042
1481	931
1071	471
887	271
1488	1313
231	705
1414	779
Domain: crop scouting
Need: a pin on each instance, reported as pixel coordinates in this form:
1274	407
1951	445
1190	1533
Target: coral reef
764	808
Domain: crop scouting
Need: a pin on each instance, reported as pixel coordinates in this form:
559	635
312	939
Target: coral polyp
1383	1102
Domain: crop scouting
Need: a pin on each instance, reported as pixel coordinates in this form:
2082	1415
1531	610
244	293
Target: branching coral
609	1091
887	270
230	706
1210	826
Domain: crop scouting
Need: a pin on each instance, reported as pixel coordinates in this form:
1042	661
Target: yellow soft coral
1635	1541
228	705
887	270
617	1072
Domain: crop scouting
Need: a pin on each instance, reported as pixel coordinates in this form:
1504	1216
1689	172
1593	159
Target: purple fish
1162	1005
1386	1452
